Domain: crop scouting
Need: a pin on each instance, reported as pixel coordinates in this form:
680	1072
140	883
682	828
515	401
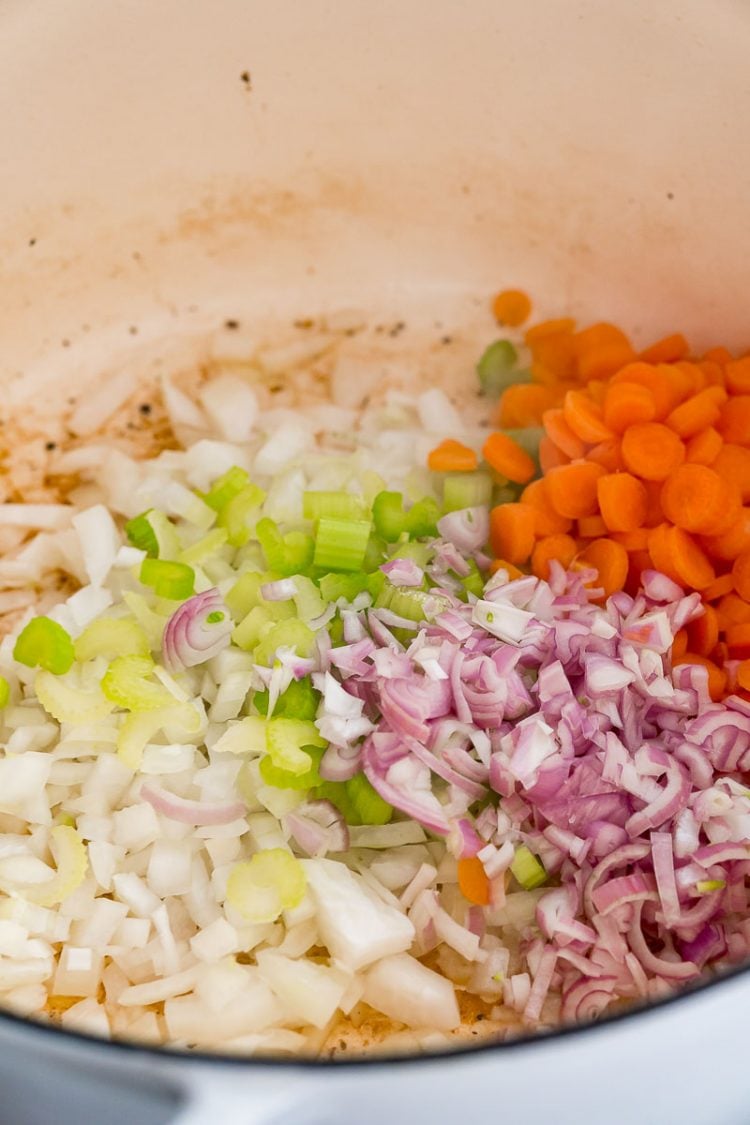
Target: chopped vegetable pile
456	714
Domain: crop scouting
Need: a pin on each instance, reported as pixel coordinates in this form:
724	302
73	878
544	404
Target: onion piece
192	812
198	630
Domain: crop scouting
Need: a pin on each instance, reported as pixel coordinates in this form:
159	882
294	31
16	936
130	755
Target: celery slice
262	887
341	544
111	637
466	490
333	505
126	683
526	869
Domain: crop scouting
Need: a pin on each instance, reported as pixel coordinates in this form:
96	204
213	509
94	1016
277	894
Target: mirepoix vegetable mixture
443	721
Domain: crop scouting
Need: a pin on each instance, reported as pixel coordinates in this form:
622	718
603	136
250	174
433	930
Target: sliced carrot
696	498
472	880
741	575
572	488
506	457
585	418
632	541
592	527
666	350
679	644
737	373
689	561
452	457
704	447
512	532
651	450
638	561
717	679
627	404
601	350
550	456
719	355
738	640
688	377
511	307
657	381
561	434
610	560
555	356
724	584
560	547
503	564
704	632
743	674
623	501
732	610
713	372
732	542
523	404
697	412
732	462
608	454
548	521
654	513
562	325
734	421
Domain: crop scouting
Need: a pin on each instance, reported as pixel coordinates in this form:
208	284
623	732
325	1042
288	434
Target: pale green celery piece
285	634
408	602
166	534
308	601
285	739
419	482
150	621
127	682
705	886
111	637
71	863
67	701
526	869
254	625
244	595
338	505
466	490
139	728
209	545
420	553
4	692
280	611
238	515
247	736
261	888
372	483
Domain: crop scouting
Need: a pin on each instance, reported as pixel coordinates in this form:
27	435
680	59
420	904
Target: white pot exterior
405	157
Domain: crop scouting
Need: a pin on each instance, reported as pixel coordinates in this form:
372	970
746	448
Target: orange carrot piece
732	542
601	350
623	501
561	434
572	488
719	355
732	610
667	350
717	679
654	513
610	560
503	564
704	632
627	404
592	527
550	456
696	413
743	674
689	377
656	379
713	372
734	421
506	457
560	547
638	561
585	418
632	541
561	326
724	584
738	640
651	450
512	532
689	561
704	447
472	881
548	521
741	575
737	374
679	644
511	307
608	454
732	462
452	457
696	498
523	404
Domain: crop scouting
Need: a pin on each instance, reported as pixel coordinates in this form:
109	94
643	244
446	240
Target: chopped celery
341	544
268	883
466	490
69	704
528	438
526	869
236	516
71	863
286	554
172	580
299	701
347	586
149	620
245	594
285	739
308	601
253	626
205	547
389	516
153	532
375	553
336	630
422	518
473	582
420	553
4	692
369	806
414	605
284	634
705	886
375	583
372	483
127	683
45	644
285	779
497	368
505	494
225	488
111	637
333	505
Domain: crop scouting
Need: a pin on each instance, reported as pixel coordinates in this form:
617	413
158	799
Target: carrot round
743	674
511	307
506	457
717	679
657	381
561	434
713	373
679	644
560	326
689	562
503	564
636	540
627	404
697	412
737	374
738	640
610	560
523	404
572	488
452	457
703	632
512	532
704	447
592	527
734	420
608	454
601	350
732	462
666	350
651	450
722	585
550	456
696	498
623	501
732	542
732	610
548	521
741	575
560	547
472	881
585	418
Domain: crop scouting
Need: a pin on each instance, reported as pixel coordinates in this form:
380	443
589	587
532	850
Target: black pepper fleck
447	340
32	242
246	79
65	343
670	195
133	329
50	445
145	408
232	325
